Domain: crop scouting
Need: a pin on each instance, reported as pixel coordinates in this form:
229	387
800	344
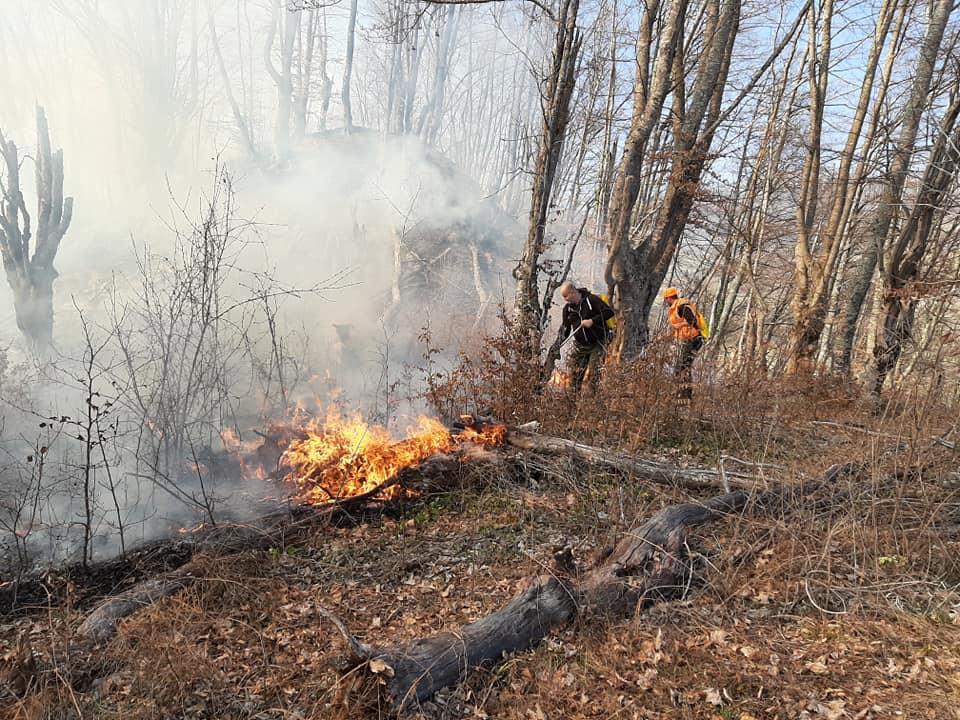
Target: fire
559	379
190	531
345	457
487	436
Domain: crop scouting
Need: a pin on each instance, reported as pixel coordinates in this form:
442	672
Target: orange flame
559	379
345	457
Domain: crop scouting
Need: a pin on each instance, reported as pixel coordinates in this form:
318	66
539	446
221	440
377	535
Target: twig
360	649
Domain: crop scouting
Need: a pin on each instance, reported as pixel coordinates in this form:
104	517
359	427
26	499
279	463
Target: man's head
569	293
670	296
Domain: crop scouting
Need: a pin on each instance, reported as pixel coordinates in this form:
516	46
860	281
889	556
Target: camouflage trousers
686	354
587	361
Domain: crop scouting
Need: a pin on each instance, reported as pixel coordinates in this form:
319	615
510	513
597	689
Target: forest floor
846	606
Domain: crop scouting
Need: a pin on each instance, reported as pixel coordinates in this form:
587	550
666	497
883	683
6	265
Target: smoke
342	248
144	112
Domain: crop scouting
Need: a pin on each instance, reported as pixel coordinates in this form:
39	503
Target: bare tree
431	116
556	115
902	264
636	270
241	120
348	68
31	276
895	178
150	56
815	276
655	60
284	24
759	177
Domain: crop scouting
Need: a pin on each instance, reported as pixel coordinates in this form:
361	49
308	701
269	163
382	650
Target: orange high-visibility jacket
683	330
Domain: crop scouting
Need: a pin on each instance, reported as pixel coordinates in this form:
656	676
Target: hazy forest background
216	213
349	174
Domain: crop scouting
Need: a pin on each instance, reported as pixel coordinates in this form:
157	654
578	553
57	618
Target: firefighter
586	316
688	331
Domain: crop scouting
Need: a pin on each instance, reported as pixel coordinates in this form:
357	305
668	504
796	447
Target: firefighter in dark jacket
585	315
682	315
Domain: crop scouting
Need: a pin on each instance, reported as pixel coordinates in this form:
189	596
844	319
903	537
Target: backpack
702	325
612	322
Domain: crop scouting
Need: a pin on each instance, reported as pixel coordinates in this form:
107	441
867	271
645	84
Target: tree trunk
241	120
31	277
413	73
903	263
893	183
348	69
806	320
638	271
556	115
814	276
649	95
428	126
305	55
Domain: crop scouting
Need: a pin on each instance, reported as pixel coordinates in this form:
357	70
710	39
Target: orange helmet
670	292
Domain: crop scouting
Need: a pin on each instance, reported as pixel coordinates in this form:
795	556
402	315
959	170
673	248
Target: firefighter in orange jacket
686	331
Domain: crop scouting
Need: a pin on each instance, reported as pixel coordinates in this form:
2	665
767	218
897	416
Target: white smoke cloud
143	136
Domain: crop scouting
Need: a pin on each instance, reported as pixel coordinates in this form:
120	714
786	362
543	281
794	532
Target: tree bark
31	277
348	69
893	183
556	115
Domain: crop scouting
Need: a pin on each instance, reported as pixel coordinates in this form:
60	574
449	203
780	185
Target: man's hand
587	323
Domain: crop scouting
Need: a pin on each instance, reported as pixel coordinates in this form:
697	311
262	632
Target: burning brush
559	379
342	458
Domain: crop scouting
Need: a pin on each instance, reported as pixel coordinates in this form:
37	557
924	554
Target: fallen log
649	564
102	623
657	472
439	472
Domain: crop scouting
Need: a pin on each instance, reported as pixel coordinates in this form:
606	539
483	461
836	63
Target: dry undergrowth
842	605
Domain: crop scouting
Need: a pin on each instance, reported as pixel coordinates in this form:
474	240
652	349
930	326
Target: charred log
415	671
102	623
648	565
